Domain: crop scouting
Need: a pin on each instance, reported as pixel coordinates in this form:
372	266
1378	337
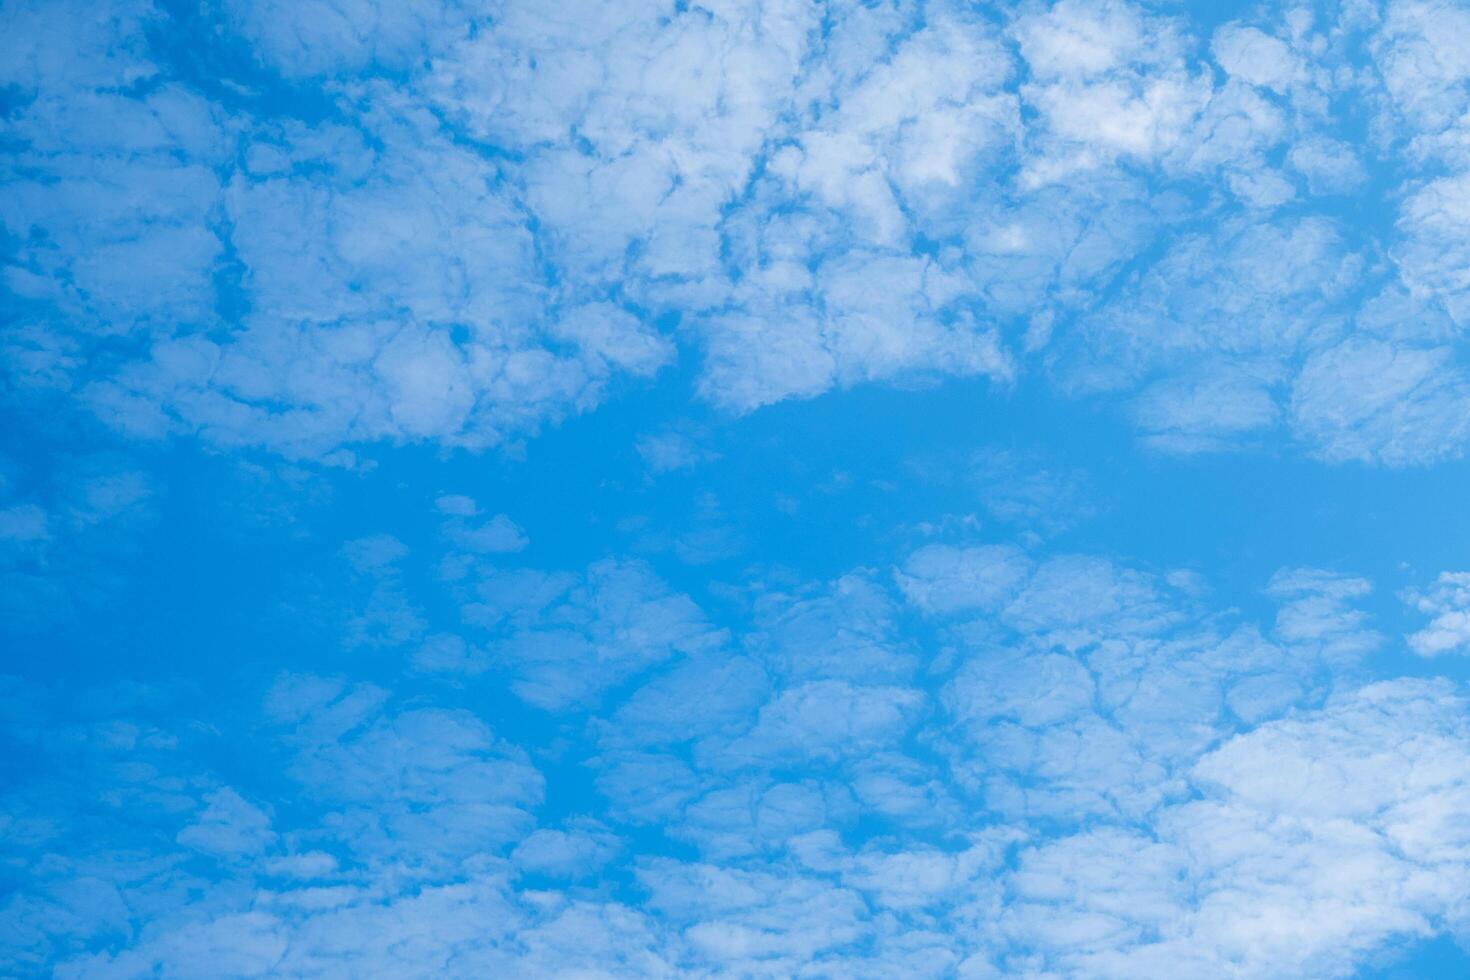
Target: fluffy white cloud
492	218
846	629
1256	57
1086	689
876	317
1111	785
379	279
228	825
576	852
1420	48
944	579
1207	409
1309	849
1373	401
1317	616
1447	602
766	921
1247	292
422	783
827	720
1435	222
344	36
497	535
567	640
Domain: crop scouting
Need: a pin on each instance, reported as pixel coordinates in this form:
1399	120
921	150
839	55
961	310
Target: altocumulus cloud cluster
745	488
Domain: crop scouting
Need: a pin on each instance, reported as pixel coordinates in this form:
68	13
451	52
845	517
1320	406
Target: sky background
733	490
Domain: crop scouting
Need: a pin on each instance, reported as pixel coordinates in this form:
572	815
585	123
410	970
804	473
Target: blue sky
747	489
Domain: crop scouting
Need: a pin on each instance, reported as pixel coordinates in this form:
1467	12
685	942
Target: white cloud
986	759
492	230
577	852
1074	599
578	638
751	816
1420	49
228	826
247	944
387	617
1307	852
1250	292
1330	166
457	505
755	919
1256	57
1316	615
334	36
698	697
1369	400
944	579
1032	690
880	316
384	283
1206	410
1433	255
1079	40
1113	806
841	629
426	783
498	535
665	452
448	653
1107	81
1447	602
826	721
